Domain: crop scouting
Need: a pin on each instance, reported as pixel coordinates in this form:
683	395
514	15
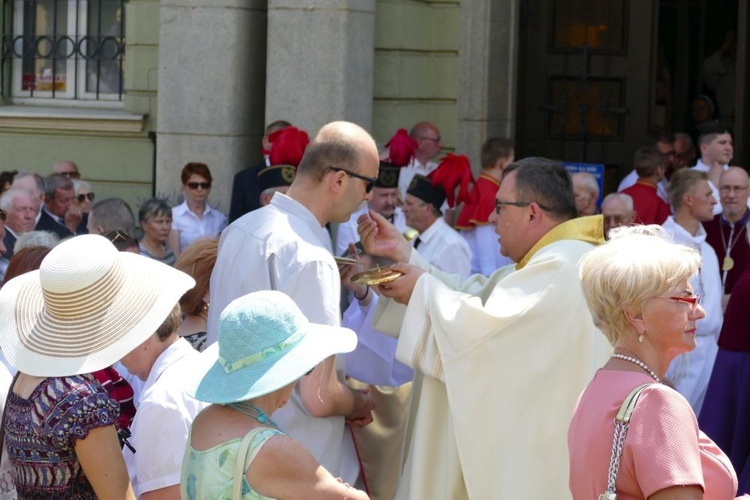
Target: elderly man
429	143
282	246
617	209
498	358
727	232
67	168
59	214
18	206
690	195
586	193
34	184
385	201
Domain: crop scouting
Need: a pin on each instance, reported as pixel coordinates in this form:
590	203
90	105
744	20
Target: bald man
727	232
617	209
284	246
68	169
586	192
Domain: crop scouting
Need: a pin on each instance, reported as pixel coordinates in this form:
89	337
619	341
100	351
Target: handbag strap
239	464
5	415
622	420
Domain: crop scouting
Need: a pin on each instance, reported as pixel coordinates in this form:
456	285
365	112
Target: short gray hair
635	265
625	198
54	182
6	199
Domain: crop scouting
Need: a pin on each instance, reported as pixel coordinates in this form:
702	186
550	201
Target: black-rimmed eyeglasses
500	204
369	181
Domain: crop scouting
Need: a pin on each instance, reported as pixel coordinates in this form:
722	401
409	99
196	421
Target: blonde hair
635	265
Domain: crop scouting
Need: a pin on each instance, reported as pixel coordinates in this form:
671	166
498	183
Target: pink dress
663	448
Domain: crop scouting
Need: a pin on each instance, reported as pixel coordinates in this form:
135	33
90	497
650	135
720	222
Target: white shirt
409	171
632	178
162	423
690	372
444	248
191	227
485	249
283	247
347	232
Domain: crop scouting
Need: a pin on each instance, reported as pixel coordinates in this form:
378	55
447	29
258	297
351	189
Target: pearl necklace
638	362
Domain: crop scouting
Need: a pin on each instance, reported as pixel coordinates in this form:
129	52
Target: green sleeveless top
210	473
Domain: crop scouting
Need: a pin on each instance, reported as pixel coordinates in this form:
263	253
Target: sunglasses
117	235
196	185
71	175
83	197
369	181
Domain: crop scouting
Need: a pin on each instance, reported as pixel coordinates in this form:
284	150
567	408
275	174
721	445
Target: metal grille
62	49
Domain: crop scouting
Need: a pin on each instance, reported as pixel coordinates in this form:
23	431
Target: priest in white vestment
501	360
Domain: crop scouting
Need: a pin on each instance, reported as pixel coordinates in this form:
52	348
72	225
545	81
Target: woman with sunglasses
638	290
194	217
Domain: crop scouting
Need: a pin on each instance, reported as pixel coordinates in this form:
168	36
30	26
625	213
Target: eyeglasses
71	175
434	139
369	181
694	301
83	197
499	205
729	189
196	185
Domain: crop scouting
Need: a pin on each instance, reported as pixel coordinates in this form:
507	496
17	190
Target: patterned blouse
41	433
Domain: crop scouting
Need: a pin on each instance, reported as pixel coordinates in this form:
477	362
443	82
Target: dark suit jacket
47	223
245	192
9	241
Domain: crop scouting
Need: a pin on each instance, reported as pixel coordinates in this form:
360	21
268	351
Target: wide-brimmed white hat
85	308
265	343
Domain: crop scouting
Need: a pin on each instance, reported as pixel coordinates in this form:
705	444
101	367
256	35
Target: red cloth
477	210
735	335
120	390
650	208
740	250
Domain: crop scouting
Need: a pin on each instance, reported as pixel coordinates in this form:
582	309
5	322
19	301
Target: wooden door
585	81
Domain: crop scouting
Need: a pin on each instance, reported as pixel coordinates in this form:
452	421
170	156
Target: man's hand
380	238
73	217
402	287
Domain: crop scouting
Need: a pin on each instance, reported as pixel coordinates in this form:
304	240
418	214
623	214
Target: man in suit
20	213
59	214
245	190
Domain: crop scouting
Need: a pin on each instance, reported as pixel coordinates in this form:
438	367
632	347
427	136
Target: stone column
487	80
212	59
320	62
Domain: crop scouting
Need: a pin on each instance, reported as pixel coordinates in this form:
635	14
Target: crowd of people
376	322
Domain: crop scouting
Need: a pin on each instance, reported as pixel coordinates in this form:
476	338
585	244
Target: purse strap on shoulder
622	420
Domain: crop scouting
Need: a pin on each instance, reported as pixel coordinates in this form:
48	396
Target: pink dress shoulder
663	448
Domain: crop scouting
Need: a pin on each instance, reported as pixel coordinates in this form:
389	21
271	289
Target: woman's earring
640	337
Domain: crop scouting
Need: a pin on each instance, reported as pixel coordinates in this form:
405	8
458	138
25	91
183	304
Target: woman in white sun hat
235	450
83	310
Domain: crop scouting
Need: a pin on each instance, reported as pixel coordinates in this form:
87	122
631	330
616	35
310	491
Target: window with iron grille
62	50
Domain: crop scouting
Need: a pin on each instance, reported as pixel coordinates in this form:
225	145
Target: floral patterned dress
41	433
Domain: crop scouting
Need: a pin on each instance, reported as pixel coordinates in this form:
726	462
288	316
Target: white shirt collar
282	202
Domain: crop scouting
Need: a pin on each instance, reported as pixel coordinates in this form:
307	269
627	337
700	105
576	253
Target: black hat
421	187
276	176
388	175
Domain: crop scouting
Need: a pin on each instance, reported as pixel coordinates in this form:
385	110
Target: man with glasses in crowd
504	358
284	246
692	200
429	144
727	232
617	210
68	169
